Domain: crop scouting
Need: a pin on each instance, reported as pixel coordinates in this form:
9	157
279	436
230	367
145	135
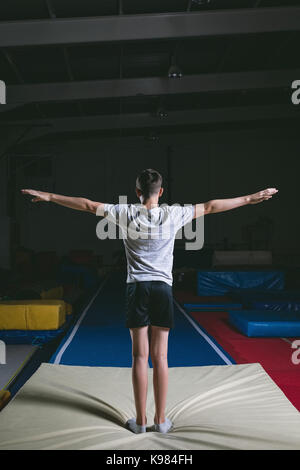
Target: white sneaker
164	427
133	427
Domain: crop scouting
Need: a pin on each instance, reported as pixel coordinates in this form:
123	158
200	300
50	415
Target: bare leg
140	355
159	357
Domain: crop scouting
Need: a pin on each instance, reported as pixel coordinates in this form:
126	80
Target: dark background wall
202	166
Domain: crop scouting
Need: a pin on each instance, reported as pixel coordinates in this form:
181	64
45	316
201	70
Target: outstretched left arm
221	205
77	203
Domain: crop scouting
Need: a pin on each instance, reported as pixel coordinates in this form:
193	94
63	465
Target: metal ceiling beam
96	89
148	26
178	118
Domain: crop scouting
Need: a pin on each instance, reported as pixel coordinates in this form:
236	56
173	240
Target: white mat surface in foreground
213	407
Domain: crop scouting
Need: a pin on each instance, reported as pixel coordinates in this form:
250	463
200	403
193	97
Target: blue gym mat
34	337
267	299
220	282
266	323
212	306
100	337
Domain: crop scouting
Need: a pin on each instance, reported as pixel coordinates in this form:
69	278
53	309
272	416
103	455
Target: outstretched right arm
77	203
221	205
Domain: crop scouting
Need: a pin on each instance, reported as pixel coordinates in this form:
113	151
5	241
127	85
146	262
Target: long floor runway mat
100	338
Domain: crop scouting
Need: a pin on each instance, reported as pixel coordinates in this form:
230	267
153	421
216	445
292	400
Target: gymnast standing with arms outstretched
149	299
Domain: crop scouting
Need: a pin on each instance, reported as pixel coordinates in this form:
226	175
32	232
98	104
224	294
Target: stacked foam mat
21	321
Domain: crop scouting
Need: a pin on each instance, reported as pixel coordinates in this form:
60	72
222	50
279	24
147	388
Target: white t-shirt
149	237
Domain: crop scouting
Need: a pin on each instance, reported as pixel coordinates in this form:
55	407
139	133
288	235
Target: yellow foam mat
69	308
4	398
12	317
32	315
212	407
66	307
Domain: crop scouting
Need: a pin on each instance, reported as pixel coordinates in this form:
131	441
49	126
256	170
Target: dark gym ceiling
94	65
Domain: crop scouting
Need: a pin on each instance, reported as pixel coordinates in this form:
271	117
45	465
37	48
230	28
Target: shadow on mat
113	414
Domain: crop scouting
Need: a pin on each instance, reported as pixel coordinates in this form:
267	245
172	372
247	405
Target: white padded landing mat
214	407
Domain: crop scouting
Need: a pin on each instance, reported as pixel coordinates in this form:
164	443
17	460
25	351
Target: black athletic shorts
149	303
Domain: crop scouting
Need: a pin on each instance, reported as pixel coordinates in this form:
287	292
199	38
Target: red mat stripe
274	354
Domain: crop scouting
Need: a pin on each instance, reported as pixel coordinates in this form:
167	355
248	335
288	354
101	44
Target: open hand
262	195
38	195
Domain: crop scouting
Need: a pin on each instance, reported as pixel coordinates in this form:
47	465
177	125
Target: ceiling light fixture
152	137
174	71
161	113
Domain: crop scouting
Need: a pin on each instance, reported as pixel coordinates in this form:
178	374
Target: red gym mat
274	354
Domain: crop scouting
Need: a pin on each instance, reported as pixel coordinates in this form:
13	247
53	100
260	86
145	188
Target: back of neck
150	203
